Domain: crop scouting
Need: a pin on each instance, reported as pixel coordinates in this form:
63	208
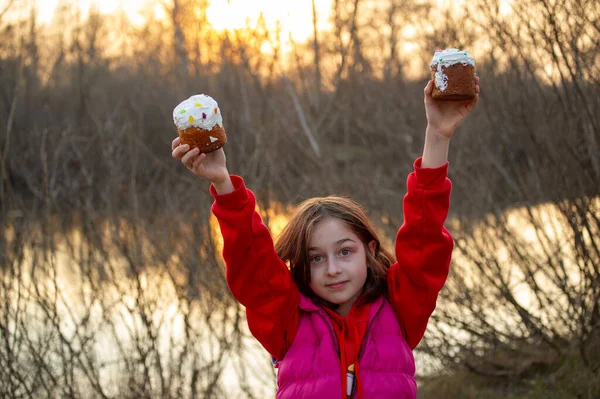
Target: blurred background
112	282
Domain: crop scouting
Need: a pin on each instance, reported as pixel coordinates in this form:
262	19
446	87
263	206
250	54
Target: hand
443	117
211	166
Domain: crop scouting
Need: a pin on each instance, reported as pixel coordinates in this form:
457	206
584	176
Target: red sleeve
423	250
257	278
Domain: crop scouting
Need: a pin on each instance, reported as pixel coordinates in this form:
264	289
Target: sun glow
295	16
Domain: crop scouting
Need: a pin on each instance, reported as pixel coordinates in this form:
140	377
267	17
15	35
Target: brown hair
293	242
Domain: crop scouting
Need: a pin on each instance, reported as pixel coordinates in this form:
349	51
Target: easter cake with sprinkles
199	123
453	74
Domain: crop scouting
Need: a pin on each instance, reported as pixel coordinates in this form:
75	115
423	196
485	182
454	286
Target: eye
345	252
316	259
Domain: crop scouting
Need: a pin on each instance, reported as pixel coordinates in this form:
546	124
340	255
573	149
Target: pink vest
311	367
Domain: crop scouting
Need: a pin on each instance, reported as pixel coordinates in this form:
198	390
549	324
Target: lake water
129	330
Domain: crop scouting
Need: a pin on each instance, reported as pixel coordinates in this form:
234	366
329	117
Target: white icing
198	111
213	139
441	80
451	56
445	58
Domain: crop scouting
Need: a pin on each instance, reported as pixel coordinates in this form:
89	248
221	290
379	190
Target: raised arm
423	250
258	279
423	245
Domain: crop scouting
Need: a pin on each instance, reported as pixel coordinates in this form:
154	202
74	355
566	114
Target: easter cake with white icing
200	123
453	74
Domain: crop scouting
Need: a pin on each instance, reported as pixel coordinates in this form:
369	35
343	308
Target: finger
175	142
476	79
429	88
180	151
198	161
188	158
477	89
473	103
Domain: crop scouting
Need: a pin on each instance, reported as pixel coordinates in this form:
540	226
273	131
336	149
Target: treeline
85	131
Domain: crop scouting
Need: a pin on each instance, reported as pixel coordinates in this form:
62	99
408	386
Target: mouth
336	286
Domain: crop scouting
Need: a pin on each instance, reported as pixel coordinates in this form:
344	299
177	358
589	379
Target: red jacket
261	282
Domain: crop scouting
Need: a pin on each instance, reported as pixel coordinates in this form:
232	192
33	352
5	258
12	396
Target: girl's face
338	263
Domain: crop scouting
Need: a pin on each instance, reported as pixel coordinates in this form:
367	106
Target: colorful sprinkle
191	118
441	59
182	111
198	105
203	115
216	111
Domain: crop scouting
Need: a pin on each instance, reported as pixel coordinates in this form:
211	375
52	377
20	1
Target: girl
343	320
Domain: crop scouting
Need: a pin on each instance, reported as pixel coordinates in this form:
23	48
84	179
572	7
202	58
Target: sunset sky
295	16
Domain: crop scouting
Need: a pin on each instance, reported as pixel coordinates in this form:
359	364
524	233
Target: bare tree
317	57
112	282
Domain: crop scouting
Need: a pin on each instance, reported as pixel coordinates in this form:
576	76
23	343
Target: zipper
364	344
328	322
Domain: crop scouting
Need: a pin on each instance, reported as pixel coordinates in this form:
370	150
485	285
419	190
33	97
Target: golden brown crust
461	83
201	138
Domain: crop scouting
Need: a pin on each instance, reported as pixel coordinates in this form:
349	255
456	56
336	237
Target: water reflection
120	319
134	331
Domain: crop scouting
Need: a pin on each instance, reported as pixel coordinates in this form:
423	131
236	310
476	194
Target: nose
333	268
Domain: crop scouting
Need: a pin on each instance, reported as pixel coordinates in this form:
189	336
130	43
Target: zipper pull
350	380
